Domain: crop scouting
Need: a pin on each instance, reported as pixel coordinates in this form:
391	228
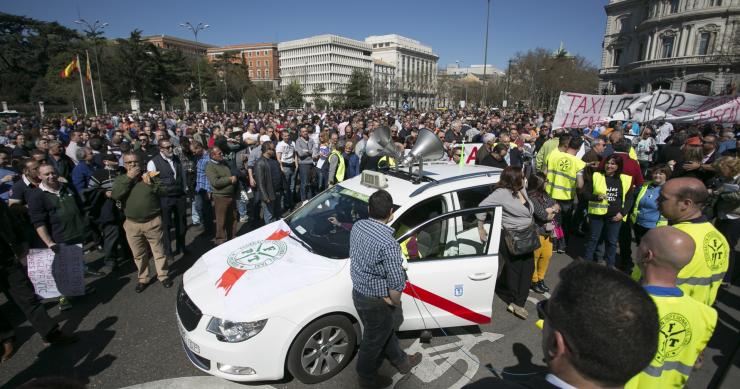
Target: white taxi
278	300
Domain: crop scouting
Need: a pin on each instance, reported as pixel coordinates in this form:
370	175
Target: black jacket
263	176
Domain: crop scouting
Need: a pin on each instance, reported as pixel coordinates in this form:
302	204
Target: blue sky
455	29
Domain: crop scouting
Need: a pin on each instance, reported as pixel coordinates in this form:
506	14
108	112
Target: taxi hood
240	278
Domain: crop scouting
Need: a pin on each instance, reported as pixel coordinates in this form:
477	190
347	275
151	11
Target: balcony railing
712	59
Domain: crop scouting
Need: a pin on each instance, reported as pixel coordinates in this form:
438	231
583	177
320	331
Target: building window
641	50
667	47
267	63
617	57
259	73
699	87
715	2
706	43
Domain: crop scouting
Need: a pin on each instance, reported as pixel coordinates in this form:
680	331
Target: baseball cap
265	138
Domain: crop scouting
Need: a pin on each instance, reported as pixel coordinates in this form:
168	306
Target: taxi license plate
185	339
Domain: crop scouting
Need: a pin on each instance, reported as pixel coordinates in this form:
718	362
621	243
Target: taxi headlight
234	332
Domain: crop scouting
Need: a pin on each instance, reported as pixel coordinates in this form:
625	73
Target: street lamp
196	29
93	31
465	84
485	56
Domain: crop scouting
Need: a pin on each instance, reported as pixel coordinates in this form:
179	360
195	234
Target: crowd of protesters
126	183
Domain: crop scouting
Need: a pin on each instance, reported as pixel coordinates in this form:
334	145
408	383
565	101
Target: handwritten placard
55	275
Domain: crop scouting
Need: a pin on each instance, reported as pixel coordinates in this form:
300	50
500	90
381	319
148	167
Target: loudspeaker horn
427	146
381	143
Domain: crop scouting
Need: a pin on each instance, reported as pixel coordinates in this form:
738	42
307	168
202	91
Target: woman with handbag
609	196
545	210
519	238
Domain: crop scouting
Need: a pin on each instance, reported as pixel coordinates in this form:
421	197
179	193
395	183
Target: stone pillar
204	105
5	105
162	104
134	105
243	106
41	108
187	105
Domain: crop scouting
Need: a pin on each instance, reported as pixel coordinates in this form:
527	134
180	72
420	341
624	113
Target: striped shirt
375	259
201	181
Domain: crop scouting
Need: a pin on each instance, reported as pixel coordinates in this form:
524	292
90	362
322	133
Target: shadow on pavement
80	360
525	369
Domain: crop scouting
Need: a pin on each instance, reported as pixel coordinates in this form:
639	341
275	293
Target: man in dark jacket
14	281
172	203
106	212
269	179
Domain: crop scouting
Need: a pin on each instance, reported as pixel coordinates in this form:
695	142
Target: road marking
449	354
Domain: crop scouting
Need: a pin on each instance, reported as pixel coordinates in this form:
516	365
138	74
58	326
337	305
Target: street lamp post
485	56
196	29
465	84
93	31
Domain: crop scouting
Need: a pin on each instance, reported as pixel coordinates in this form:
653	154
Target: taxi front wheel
322	349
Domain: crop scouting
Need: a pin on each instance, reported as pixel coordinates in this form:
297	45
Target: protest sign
578	110
55	275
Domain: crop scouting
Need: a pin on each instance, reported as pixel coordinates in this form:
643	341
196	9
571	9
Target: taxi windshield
325	222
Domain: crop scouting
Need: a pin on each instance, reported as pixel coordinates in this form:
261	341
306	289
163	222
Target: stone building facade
685	45
261	60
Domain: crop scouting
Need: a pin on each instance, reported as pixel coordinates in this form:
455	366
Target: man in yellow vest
336	165
686	325
564	177
680	202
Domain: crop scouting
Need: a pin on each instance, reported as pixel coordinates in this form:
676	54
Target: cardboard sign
55	275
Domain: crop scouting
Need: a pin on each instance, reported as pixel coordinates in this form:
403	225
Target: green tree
27	47
292	96
359	91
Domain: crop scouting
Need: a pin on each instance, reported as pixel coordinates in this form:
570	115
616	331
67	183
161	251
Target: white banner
57	275
578	110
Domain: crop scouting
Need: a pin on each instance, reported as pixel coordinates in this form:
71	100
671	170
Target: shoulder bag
522	241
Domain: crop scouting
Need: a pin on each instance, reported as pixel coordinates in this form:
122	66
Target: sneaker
411	361
535	287
543	286
64	304
518	311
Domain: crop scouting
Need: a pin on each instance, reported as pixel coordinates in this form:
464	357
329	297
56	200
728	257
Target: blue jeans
289	174
203	208
603	228
380	322
271	212
303	173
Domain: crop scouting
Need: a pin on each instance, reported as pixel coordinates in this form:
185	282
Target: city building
322	64
384	82
416	69
684	45
454	70
261	60
185	46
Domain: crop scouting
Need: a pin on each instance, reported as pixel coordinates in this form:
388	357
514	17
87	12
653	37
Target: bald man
685	325
680	202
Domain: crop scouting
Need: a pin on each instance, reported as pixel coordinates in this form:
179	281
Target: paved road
131	340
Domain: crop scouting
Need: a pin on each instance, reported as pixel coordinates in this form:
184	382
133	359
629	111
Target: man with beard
106	212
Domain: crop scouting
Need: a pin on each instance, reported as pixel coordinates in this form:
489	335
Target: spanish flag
69	69
88	72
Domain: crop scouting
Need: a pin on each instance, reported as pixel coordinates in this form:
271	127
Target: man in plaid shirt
378	280
202	209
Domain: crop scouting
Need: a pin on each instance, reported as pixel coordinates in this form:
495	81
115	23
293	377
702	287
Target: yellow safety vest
340	165
632	153
702	277
562	169
596	207
390	160
685	329
661	220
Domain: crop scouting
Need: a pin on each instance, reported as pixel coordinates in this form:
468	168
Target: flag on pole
70	69
88	72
